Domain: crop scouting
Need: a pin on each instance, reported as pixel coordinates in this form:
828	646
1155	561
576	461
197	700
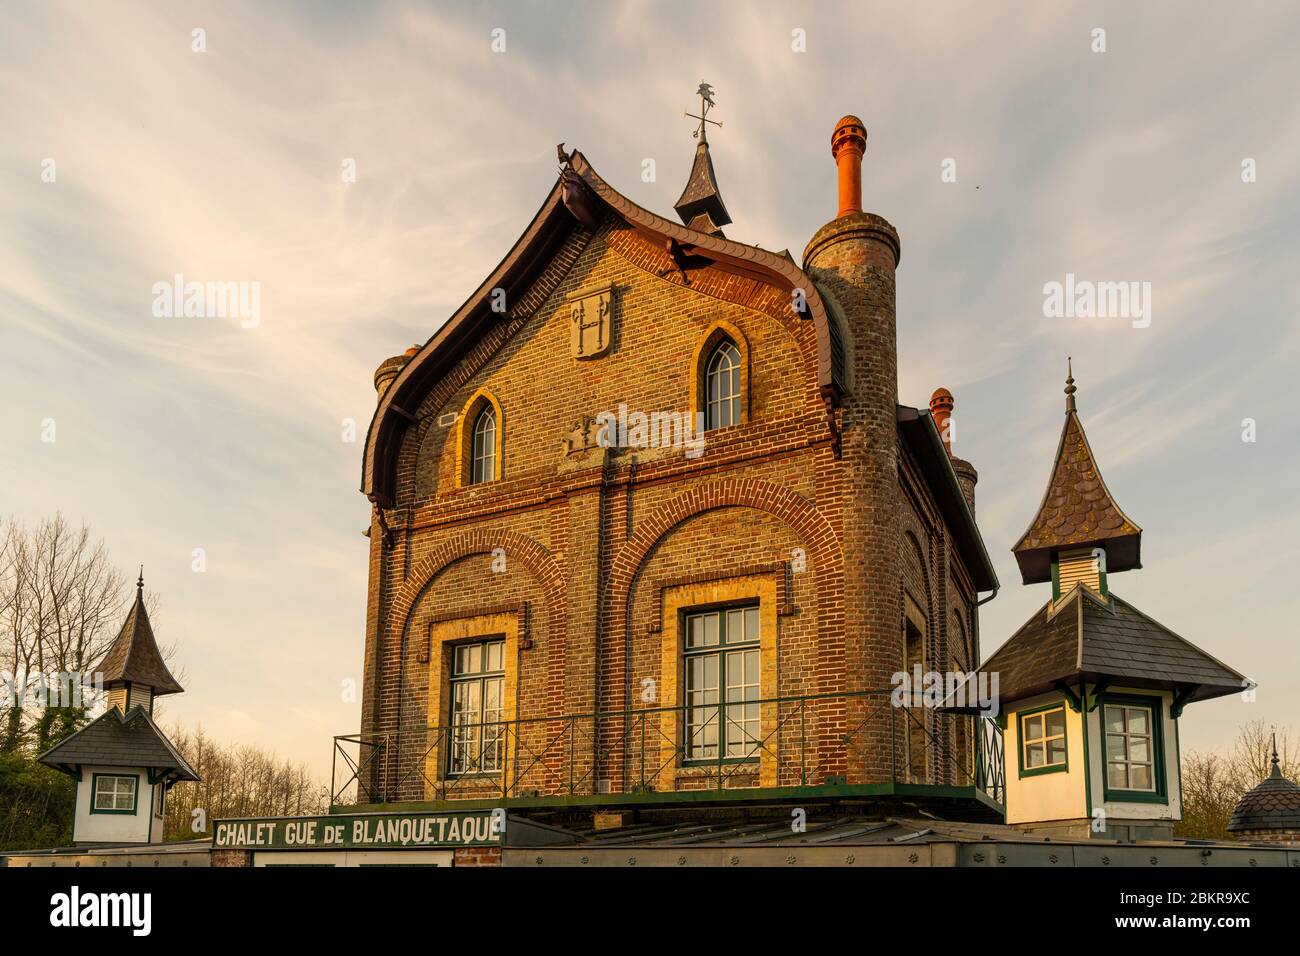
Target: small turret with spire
123	764
700	205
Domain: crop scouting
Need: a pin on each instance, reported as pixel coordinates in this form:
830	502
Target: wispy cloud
177	434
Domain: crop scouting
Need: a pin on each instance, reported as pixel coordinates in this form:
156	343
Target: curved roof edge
565	210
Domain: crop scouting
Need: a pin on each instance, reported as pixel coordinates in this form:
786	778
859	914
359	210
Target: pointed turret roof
1078	510
1274	803
134	657
700	205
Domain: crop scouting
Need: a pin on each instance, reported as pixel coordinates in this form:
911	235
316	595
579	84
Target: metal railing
819	740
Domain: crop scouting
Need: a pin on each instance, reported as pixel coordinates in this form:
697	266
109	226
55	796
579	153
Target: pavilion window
1043	739
1130	748
114	793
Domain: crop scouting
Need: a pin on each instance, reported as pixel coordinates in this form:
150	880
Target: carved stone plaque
591	323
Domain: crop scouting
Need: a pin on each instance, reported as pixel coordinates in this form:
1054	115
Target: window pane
1139	749
751	668
495	656
483	465
1140	777
1034	755
1117	776
1055	723
1138	720
735	627
1056	751
1034	728
710	629
1114	719
751	623
694	631
1115	749
735	675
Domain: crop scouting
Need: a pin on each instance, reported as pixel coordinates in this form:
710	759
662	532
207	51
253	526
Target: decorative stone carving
591	322
582	437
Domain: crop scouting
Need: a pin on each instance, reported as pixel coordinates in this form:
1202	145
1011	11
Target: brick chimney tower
852	259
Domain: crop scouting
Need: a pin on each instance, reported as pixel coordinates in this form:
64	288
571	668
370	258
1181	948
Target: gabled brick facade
816	499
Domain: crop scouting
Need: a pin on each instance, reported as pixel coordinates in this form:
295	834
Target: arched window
722	386
483	463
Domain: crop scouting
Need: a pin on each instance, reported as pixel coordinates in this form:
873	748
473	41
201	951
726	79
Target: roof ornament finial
700	205
139	584
1277	767
1069	384
705	93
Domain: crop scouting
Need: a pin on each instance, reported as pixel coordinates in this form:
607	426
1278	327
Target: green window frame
115	793
721	665
1042	743
1132	736
477	705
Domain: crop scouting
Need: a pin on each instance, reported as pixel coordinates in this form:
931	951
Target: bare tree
237	781
61	602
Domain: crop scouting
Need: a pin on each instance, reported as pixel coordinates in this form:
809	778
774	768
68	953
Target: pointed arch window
722	386
479	428
483	464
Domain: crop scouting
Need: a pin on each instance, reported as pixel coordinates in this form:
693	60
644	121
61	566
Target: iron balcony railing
819	740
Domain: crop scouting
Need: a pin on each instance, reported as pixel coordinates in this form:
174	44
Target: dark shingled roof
134	656
119	740
1274	804
1082	636
700	205
1077	511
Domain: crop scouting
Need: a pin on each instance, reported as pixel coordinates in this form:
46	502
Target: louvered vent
1081	566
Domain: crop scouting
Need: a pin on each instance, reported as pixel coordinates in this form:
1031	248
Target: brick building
650	524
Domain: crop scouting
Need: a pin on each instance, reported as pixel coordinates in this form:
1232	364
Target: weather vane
705	93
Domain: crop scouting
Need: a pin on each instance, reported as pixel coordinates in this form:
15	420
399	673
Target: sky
131	156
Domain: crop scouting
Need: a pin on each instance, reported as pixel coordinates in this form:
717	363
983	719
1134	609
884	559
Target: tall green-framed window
113	793
1134	749
721	660
477	695
1043	746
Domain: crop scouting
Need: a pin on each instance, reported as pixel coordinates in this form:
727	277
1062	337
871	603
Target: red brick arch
543	565
814	531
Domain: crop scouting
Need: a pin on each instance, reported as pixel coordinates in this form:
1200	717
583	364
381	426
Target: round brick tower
852	258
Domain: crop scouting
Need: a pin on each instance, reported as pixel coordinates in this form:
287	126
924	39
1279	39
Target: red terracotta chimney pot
941	406
848	143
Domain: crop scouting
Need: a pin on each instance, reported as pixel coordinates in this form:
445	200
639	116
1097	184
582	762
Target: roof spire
134	657
700	205
1077	510
1277	767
